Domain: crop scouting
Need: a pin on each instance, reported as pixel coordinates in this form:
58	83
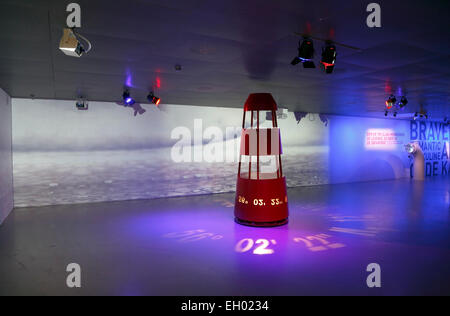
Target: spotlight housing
403	102
391	102
153	99
305	54
329	55
82	104
127	99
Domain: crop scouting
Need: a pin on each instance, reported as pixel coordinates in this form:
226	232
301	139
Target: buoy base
262	224
261	203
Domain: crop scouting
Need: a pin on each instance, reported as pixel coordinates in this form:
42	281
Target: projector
70	45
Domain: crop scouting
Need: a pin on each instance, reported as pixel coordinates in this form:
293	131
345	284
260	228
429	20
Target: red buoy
261	195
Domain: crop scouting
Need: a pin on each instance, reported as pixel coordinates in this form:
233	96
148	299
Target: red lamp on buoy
261	195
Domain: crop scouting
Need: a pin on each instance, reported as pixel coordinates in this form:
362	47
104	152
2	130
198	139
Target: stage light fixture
395	114
329	55
153	99
386	113
410	148
82	104
305	54
391	102
403	102
127	99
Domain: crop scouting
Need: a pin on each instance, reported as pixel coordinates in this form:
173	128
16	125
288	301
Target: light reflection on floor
192	246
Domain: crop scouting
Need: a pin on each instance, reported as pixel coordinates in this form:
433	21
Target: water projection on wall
65	156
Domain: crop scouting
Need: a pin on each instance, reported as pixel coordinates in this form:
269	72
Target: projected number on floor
259	247
318	243
193	235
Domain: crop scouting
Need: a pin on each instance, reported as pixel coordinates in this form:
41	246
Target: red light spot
327	64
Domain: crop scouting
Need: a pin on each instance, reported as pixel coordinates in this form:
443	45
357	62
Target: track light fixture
305	53
153	99
391	102
82	104
403	102
127	99
329	55
422	114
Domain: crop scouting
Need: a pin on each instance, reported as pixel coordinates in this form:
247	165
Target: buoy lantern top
260	102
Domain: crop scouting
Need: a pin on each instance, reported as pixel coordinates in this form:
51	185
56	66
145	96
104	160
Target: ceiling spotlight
71	45
329	55
403	102
82	104
127	99
391	102
155	100
410	148
305	54
423	113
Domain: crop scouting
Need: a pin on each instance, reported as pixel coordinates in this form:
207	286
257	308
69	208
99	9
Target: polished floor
192	246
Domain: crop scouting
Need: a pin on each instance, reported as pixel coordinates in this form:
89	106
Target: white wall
6	174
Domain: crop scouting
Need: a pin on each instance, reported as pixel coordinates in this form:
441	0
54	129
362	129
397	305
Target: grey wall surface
6	173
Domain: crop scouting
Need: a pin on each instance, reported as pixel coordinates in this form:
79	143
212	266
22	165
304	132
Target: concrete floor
191	246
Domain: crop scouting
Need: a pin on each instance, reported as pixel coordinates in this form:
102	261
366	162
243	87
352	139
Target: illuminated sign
383	139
